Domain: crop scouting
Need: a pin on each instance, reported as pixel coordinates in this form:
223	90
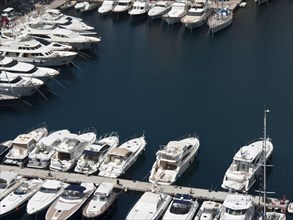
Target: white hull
221	26
18	91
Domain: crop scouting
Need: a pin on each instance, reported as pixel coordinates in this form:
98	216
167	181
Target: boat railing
41	125
188	136
109	134
87	130
257	139
133	137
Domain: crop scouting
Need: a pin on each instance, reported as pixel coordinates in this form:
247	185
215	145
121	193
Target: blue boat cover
75	188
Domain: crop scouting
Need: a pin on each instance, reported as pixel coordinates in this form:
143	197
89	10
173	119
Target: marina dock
137	186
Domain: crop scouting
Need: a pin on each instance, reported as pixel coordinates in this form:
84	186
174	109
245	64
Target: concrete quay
137	186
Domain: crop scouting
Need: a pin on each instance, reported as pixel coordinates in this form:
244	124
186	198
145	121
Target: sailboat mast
264	161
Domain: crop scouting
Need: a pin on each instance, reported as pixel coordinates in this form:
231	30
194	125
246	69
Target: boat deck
134	185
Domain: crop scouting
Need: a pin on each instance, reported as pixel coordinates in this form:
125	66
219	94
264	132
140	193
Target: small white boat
18	198
220	20
273	216
101	203
151	205
181	207
177	12
139	9
8	182
71	200
238	206
94	154
290	208
47	194
122	6
159	9
119	159
81	5
209	210
89	7
174	159
23	144
107	6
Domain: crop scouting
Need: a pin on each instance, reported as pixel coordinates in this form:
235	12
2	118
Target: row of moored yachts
29	50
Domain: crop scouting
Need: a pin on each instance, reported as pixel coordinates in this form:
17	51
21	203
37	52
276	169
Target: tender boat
27	70
89	7
9	181
119	159
122	6
107	6
14	85
101	203
177	12
139	9
18	198
181	207
23	144
246	165
81	5
94	154
237	206
209	210
40	157
197	15
67	5
151	205
159	9
71	200
220	20
290	208
70	150
46	195
174	159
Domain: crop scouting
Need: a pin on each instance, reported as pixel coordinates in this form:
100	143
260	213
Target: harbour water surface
168	82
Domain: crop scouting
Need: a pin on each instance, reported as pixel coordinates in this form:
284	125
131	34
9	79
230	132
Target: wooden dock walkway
134	185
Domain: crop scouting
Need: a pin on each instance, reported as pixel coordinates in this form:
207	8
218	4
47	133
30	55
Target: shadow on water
191	170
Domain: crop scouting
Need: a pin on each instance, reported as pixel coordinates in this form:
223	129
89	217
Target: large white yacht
181	207
94	154
197	15
14	85
8	182
52	33
69	150
26	49
119	159
173	159
159	9
18	198
71	200
23	144
177	12
139	9
209	210
101	203
220	20
27	70
246	165
40	156
151	205
107	6
46	195
122	6
238	207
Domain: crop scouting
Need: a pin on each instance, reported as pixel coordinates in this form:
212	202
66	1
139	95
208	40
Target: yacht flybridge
173	159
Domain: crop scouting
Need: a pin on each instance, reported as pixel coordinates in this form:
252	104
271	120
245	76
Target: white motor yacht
70	150
40	157
159	9
94	154
220	20
197	15
14	85
122	6
27	70
70	201
246	165
181	207
8	182
107	6
238	207
23	144
139	9
119	159
26	49
81	5
209	210
18	198
101	203
177	12
151	205
174	159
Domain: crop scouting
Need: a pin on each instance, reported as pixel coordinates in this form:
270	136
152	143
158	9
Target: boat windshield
3	184
20	191
100	197
236	212
180	207
47	190
71	195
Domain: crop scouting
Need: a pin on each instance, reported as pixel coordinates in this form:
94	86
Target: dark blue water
168	82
